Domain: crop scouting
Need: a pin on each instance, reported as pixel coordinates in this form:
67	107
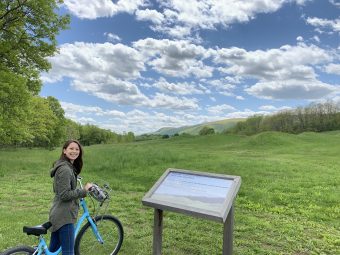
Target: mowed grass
289	201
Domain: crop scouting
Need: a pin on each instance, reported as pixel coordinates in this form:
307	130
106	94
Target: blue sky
140	65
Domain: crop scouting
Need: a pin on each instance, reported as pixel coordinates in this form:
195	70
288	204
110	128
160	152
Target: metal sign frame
224	215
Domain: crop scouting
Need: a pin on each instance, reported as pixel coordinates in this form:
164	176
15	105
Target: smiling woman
72	151
64	210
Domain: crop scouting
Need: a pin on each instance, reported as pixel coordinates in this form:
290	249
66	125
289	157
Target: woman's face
72	151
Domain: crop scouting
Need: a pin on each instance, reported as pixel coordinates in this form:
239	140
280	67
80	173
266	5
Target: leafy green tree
314	117
91	134
56	107
28	32
14	108
110	137
207	131
42	122
72	130
59	129
130	137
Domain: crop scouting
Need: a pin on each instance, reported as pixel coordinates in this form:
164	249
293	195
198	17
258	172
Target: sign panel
202	194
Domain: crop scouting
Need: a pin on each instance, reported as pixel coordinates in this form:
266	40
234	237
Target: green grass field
289	201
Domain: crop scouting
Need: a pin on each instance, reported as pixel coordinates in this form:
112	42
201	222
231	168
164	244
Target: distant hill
218	126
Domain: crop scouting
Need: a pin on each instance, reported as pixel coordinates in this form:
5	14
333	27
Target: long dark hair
78	162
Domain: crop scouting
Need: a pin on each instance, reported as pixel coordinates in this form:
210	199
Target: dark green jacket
65	205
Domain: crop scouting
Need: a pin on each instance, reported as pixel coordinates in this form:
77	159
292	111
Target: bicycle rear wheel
111	231
19	250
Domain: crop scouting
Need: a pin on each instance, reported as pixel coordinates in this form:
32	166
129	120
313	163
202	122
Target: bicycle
105	238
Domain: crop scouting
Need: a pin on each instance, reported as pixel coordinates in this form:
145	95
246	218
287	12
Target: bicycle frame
42	246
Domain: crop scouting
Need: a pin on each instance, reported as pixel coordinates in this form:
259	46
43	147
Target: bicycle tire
19	250
87	244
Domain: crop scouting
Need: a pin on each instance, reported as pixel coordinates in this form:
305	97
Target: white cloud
335	2
85	121
113	72
172	102
244	114
333	69
112	37
291	89
299	39
150	15
272	108
323	25
316	38
85	60
287	62
184	17
284	73
180	18
221	85
175	58
103	70
221	109
102	8
107	71
181	88
71	108
112	90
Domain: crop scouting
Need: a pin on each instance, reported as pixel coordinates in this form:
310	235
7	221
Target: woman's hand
88	186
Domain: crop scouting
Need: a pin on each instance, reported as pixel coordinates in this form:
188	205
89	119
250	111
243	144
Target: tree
59	129
72	130
130	137
14	109
42	123
28	32
165	136
315	117
207	131
253	124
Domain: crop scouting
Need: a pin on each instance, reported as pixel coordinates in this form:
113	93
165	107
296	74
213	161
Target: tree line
33	121
28	31
316	117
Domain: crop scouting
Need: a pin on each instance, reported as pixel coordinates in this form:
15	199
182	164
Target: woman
64	211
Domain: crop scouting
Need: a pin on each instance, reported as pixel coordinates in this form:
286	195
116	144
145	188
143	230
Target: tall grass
288	202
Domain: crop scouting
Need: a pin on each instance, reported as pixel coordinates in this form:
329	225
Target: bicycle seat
37	230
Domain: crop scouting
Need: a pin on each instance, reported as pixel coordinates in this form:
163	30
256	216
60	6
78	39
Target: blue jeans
63	237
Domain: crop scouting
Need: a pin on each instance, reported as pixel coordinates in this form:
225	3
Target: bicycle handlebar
98	193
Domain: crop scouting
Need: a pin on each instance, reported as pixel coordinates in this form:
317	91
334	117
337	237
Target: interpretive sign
201	194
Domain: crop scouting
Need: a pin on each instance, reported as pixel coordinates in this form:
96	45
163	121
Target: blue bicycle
100	235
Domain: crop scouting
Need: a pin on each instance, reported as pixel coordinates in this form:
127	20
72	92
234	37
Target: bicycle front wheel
110	230
19	250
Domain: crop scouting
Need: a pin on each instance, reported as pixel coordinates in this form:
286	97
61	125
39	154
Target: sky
140	65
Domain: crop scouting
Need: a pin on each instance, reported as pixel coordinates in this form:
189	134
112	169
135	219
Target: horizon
139	66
